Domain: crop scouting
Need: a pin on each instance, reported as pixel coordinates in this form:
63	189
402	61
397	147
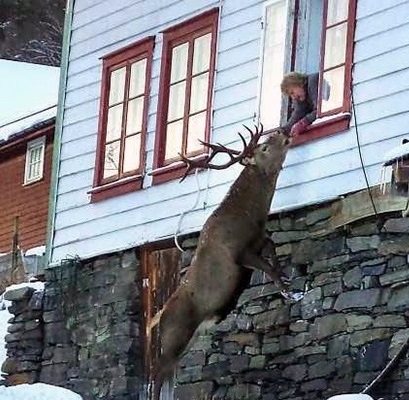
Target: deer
229	247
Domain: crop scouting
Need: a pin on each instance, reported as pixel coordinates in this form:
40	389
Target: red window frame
123	182
341	116
188	31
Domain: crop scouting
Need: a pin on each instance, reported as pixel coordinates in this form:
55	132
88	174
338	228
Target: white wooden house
144	79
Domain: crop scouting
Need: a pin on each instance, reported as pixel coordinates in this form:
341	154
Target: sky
26	88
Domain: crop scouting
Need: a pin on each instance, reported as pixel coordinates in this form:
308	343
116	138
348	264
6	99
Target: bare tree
32	31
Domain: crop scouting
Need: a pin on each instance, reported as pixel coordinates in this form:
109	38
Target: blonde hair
292	79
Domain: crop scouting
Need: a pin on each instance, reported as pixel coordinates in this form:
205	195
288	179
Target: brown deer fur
229	246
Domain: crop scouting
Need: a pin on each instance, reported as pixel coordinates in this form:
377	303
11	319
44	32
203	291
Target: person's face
296	93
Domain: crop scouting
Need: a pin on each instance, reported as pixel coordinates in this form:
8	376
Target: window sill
324	127
117	188
171	172
33	181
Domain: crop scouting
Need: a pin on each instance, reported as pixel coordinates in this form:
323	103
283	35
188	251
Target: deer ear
249	161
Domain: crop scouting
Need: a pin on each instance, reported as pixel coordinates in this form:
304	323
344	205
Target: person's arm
299	111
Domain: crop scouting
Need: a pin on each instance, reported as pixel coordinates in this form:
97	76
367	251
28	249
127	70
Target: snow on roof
29	94
401	151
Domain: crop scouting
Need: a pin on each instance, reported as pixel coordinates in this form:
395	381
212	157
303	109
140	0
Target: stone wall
82	332
353	319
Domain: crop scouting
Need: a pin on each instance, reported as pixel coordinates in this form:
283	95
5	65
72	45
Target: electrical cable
183	213
361	157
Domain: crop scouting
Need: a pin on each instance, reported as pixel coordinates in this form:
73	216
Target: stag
229	248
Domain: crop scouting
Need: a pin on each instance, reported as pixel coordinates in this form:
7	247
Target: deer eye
264	148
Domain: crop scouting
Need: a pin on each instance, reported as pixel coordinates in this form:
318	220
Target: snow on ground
26	88
37	391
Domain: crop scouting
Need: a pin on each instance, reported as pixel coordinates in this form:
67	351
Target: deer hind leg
177	325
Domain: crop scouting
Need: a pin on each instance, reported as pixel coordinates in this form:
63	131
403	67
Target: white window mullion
34	167
275	60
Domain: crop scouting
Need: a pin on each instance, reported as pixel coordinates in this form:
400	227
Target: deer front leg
273	270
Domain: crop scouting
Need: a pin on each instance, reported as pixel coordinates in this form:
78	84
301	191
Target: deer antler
216	148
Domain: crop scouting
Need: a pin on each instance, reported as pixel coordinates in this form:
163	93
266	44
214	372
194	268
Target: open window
34	167
186	86
123	116
308	36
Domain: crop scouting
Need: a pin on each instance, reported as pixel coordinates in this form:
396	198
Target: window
276	36
320	35
34	169
188	60
122	126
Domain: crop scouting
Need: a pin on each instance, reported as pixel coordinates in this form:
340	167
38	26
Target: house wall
28	202
352	320
313	172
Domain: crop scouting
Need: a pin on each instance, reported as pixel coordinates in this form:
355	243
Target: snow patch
35	251
397	152
35	285
37	391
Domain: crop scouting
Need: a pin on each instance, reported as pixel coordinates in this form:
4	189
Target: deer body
229	246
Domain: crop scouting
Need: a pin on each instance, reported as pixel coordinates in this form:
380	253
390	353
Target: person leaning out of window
303	91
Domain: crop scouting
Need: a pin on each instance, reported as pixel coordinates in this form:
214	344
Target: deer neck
253	190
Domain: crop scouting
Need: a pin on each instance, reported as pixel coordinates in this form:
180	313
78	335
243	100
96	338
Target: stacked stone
92	327
24	340
352	320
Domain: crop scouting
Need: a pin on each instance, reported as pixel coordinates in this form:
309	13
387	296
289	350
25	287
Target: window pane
198	95
196	130
137	82
179	62
337	11
114	122
111	162
335	46
174	137
176	101
132	153
135	115
273	65
117	86
335	80
201	53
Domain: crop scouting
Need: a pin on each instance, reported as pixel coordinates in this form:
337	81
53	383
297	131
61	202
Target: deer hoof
293	296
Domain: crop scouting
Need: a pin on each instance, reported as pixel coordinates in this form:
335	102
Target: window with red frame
320	34
187	73
122	127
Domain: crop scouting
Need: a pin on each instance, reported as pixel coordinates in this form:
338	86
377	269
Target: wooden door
160	269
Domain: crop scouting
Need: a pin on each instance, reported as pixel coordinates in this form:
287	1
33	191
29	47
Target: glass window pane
335	46
138	75
273	65
201	53
176	101
114	123
337	11
198	95
174	139
132	153
111	161
179	62
135	115
196	131
117	86
334	82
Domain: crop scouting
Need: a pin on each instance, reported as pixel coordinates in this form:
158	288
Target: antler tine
235	155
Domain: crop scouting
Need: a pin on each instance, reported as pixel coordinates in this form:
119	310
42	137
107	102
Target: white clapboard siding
313	172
